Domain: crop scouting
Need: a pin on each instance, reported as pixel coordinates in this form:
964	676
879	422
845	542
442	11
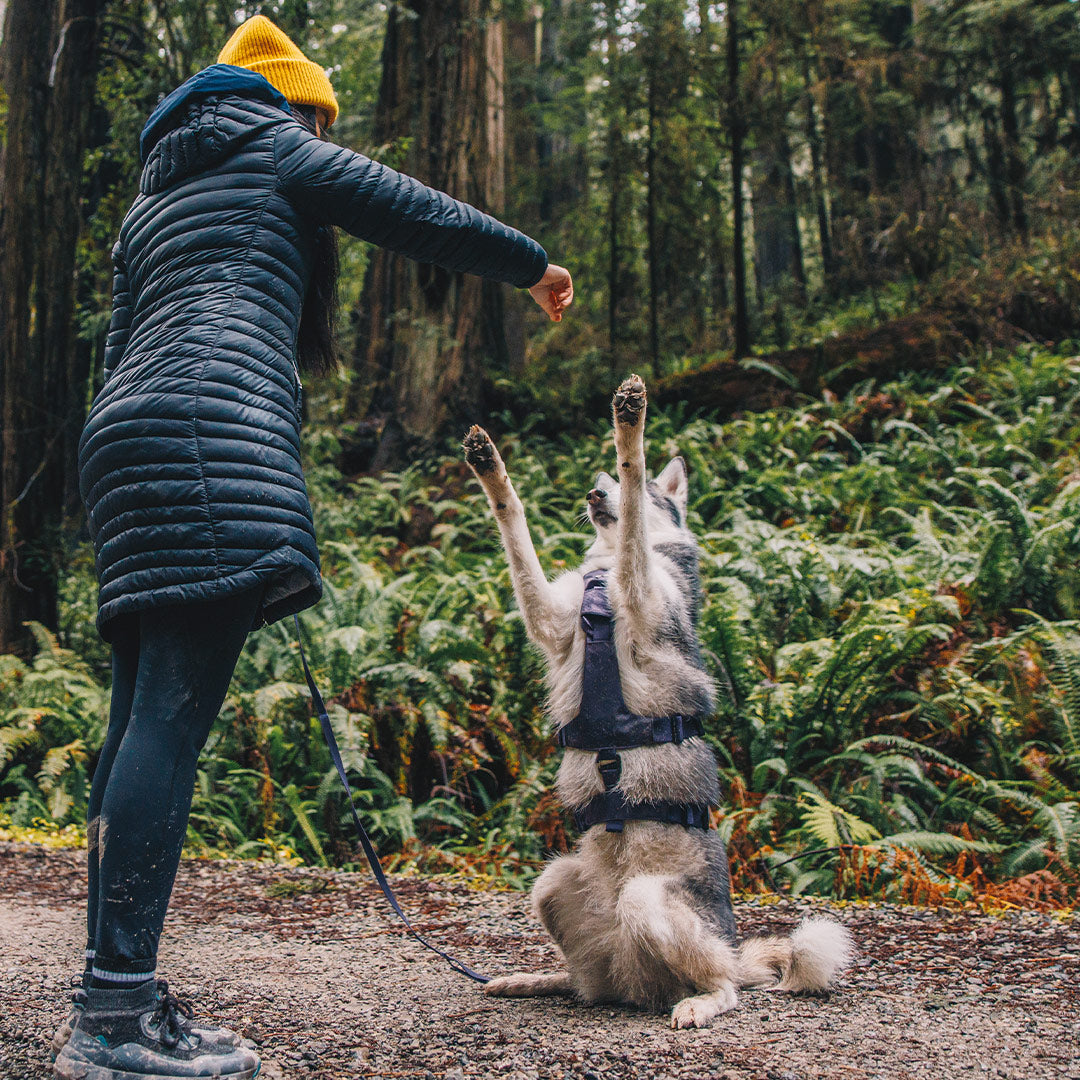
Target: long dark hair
315	343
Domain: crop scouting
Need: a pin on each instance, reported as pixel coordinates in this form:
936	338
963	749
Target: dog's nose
596	496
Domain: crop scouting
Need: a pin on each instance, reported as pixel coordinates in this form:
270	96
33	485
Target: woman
190	473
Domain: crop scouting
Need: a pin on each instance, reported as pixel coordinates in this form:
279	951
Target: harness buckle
610	765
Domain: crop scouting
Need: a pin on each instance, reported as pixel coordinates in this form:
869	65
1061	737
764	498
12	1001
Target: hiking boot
67	1025
145	1034
208	1033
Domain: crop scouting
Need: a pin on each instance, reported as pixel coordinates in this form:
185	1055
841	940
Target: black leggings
171	671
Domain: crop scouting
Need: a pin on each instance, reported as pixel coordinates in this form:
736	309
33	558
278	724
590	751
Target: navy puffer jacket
189	462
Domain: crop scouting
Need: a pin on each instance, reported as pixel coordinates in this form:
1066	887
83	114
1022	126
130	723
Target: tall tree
737	128
615	168
676	164
774	88
818	179
425	332
49	60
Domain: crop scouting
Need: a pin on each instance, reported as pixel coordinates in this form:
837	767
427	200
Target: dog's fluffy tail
810	959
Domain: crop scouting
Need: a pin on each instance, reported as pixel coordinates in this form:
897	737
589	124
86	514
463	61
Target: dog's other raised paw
480	451
629	401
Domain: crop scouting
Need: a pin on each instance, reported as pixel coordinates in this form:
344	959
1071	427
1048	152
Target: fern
878	689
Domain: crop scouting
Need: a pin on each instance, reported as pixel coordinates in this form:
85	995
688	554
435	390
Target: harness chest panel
606	725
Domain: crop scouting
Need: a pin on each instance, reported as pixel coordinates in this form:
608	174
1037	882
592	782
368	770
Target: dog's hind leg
668	949
525	984
578	916
550	612
578	911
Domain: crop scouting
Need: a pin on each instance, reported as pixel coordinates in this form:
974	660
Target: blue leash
369	849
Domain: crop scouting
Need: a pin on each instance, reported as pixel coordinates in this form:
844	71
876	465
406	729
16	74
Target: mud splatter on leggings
171	671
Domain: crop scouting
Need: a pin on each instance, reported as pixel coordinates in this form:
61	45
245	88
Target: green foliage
892	616
53	713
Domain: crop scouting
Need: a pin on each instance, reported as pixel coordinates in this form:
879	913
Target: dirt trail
328	986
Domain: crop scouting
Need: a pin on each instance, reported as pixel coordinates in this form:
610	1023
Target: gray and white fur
642	916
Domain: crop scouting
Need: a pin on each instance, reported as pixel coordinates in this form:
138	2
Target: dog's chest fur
660	672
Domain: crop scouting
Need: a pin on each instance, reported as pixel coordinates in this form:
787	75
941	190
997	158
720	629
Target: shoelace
170	1014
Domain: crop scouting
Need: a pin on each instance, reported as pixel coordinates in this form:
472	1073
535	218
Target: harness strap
603	721
369	849
629	730
606	725
612	808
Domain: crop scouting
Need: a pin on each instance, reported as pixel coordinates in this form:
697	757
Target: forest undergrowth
892	618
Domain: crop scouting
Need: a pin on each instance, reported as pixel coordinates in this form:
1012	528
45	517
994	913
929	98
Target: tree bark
777	240
818	180
49	67
650	221
615	179
1014	163
735	120
425	333
798	265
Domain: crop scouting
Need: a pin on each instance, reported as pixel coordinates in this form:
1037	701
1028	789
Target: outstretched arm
549	615
337	186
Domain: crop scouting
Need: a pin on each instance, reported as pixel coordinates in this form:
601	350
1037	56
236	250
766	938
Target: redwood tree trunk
425	333
736	123
49	64
1014	162
818	179
650	215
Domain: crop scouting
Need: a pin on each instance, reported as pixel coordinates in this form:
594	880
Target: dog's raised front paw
629	401
480	451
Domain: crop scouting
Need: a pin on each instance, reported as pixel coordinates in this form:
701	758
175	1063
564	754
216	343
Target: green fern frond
293	801
938	843
831	825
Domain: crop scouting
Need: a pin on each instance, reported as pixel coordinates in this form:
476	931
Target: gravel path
311	965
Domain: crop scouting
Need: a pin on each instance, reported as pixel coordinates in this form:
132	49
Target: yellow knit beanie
259	45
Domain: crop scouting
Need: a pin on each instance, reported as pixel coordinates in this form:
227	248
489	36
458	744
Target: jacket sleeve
120	323
337	186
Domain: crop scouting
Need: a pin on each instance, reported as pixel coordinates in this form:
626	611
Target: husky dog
641	913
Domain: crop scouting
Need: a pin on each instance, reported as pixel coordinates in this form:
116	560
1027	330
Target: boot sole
60	1039
84	1070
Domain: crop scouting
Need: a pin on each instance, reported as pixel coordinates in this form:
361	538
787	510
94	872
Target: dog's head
665	511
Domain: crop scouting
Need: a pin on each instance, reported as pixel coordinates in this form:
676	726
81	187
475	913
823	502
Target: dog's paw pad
629	401
479	450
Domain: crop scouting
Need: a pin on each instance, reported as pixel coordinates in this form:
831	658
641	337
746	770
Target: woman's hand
554	291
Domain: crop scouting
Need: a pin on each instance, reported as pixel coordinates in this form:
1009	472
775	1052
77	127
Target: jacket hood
188	132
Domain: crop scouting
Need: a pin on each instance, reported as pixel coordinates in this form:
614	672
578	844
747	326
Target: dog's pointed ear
672	482
605	482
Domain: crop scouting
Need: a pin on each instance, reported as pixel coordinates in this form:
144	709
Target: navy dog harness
604	724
